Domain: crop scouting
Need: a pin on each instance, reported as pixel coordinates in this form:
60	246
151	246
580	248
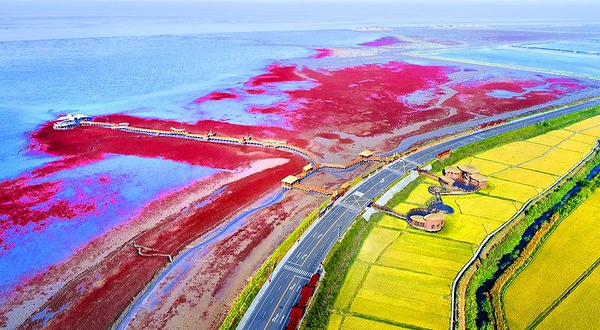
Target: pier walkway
211	137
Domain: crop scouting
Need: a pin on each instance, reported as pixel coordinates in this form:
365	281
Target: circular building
452	172
434	221
478	180
417	221
446	181
431	222
468	169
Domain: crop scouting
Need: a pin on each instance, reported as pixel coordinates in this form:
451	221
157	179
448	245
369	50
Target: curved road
270	309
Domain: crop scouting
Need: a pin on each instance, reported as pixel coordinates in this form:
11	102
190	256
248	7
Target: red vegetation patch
363	100
256	91
86	143
276	74
473	96
385	41
566	84
109	287
24	201
333	136
322	52
216	96
369	100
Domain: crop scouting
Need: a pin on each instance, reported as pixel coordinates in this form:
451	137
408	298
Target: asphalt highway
271	307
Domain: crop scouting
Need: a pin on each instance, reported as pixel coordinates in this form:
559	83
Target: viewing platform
69	121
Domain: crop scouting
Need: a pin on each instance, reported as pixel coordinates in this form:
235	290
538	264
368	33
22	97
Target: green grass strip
243	301
337	263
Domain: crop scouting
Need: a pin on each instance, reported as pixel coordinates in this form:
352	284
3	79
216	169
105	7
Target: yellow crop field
335	321
403	275
556	161
567	253
351	284
548	166
401	315
579	310
511	190
433	303
484	165
439	267
392	222
561	133
405	207
377	241
576	146
514	153
430	245
584	124
405	297
467	228
593	200
430	255
358	323
547	140
584	138
528	177
565	156
419	194
594	131
487	207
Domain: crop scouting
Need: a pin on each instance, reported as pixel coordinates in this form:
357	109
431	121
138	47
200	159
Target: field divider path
564	295
489	237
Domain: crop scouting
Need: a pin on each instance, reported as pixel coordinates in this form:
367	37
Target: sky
366	7
29	19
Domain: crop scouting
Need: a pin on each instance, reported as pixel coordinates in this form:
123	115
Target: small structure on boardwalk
289	181
434	221
365	154
178	130
307	169
246	138
445	180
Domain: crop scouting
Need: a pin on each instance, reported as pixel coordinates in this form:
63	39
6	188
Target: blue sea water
504	94
149	76
576	64
590	46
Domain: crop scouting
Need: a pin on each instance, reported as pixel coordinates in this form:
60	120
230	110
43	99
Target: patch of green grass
336	265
